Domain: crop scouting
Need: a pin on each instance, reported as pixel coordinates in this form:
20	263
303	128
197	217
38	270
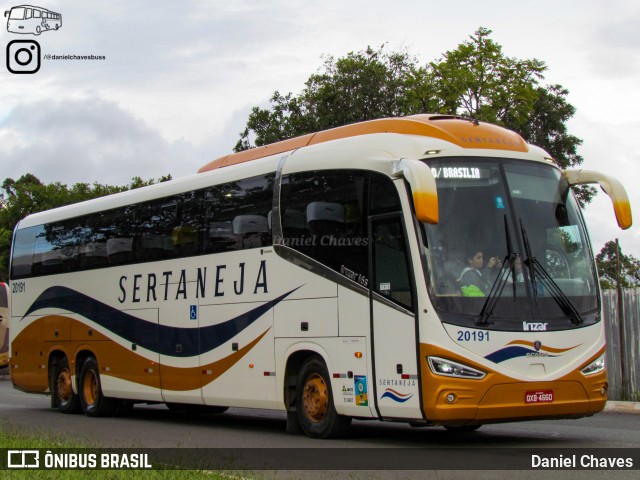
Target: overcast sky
180	78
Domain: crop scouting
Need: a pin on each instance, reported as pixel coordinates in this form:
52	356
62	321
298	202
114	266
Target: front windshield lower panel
510	247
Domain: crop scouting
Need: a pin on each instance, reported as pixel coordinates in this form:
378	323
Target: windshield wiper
500	282
537	270
496	289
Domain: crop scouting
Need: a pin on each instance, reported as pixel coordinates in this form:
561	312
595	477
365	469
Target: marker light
447	368
596	366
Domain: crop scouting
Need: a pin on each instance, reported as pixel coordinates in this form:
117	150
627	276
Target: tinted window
391	277
237	214
226	217
22	254
324	215
4	300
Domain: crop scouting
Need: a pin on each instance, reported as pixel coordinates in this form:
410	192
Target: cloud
615	43
88	139
610	147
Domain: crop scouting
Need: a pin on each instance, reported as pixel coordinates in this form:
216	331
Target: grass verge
13	439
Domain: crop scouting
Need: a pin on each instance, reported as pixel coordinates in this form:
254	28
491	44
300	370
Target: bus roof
464	132
34	7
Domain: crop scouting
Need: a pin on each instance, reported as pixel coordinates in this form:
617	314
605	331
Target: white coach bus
427	269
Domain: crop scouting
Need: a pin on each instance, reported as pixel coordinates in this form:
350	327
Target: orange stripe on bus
72	338
461	132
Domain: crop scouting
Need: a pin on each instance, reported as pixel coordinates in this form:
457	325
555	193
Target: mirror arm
611	187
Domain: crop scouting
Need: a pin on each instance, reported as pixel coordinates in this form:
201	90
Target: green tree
361	86
607	263
476	79
27	195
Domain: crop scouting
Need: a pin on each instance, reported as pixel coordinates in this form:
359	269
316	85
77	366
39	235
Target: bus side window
323	217
185	234
390	262
22	261
383	195
236	214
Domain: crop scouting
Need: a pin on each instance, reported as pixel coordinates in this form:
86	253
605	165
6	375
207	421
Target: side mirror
611	187
423	188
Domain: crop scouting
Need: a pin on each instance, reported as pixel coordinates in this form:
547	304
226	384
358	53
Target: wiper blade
536	269
501	280
558	295
496	289
530	259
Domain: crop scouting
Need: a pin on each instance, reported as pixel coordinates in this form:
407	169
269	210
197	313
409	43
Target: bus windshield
510	249
17	13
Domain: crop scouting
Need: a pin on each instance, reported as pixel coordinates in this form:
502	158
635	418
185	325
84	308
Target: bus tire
64	399
314	402
94	403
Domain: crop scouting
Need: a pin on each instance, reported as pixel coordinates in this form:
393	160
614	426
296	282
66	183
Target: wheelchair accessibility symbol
193	312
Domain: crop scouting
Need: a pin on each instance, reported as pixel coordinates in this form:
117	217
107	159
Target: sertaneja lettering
174	285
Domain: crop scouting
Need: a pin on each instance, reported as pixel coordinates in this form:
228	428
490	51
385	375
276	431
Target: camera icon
23	56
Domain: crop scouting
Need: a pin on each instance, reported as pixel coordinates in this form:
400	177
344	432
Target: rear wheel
64	399
314	402
94	403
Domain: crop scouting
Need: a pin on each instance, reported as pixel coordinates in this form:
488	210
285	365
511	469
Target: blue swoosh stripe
508	353
395	397
157	338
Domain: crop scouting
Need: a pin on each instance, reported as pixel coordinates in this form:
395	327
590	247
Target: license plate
539	396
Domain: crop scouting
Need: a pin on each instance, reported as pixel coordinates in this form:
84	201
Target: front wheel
314	402
94	403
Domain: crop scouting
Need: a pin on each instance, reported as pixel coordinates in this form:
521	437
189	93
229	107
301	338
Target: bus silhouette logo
27	19
23	459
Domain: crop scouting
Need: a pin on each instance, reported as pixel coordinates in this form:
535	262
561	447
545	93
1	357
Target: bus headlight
448	368
596	366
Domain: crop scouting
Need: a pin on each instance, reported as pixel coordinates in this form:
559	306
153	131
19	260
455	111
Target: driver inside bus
477	278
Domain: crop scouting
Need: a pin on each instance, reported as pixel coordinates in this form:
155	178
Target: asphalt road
157	427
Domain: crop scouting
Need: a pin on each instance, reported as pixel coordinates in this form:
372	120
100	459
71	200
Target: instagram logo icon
23	56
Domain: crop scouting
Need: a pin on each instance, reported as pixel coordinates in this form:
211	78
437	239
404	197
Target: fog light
451	398
603	390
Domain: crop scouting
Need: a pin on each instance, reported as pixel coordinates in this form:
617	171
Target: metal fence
622	360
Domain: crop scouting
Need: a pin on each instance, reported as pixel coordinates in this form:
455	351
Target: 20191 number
473	336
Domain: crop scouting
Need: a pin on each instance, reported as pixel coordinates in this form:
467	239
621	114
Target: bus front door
393	321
